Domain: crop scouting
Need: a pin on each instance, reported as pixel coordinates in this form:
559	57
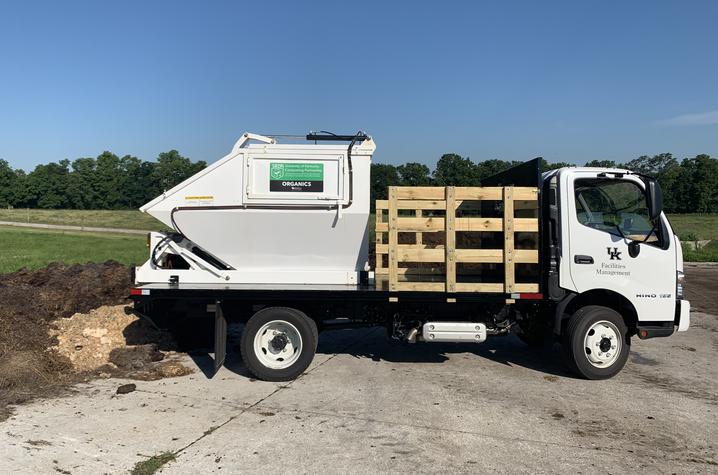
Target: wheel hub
605	344
279	342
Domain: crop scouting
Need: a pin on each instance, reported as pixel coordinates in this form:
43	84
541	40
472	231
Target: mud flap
220	336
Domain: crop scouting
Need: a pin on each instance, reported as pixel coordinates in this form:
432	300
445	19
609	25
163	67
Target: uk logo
615	253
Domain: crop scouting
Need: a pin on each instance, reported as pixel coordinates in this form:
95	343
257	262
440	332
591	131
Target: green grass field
691	227
687	226
35	248
128	219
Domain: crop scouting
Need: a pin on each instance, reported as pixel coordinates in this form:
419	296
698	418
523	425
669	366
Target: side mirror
654	197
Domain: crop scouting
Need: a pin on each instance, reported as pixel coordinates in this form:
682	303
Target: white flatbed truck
276	236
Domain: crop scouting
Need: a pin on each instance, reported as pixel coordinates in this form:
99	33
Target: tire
278	343
595	342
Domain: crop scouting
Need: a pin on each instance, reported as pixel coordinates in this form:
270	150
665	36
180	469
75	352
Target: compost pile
64	324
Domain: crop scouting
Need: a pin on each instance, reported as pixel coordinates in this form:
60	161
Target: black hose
153	256
357	136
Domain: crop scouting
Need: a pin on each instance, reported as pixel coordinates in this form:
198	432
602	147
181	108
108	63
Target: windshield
614	206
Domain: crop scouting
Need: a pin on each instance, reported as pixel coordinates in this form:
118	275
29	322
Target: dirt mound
113	341
35	302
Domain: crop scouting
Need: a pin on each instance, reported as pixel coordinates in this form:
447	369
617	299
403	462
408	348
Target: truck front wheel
595	342
278	343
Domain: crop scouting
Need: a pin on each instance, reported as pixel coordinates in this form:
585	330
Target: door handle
579	259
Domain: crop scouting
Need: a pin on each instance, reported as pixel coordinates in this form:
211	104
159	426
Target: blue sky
571	81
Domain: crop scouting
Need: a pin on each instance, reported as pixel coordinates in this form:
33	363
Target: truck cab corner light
139	291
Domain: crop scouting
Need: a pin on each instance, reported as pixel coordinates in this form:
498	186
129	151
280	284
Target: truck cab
611	250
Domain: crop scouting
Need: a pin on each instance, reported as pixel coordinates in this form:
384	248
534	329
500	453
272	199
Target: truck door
605	214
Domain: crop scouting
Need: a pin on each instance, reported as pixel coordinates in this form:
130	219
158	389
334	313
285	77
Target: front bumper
683	315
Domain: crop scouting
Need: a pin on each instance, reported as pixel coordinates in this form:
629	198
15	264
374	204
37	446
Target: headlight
680	281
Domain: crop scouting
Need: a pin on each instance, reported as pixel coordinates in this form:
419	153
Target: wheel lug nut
610	337
600	354
613	347
608	355
598	343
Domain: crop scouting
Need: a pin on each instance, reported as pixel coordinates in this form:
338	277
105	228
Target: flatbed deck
369	293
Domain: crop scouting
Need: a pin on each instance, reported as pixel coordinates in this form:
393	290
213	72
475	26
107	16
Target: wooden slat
412	204
426	193
479	224
413	254
475	193
422	286
479	287
471	287
384	248
480	256
509	269
393	240
426	253
420	193
526	256
496	224
404	271
431	223
495	288
436	223
525	193
450	239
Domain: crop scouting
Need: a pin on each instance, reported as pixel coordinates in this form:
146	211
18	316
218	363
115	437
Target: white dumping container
272	213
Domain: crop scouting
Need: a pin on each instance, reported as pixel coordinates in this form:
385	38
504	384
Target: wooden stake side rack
420	210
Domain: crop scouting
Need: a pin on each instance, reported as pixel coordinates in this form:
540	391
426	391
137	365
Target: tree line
689	185
112	182
104	182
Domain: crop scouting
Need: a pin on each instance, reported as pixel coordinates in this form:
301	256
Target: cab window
614	206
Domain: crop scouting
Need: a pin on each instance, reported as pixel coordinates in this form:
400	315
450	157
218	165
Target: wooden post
378	239
393	241
419	239
509	268
450	221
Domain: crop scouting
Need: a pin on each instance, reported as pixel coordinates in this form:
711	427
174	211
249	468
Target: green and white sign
296	177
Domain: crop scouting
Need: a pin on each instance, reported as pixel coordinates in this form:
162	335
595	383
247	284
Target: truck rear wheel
595	342
278	343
